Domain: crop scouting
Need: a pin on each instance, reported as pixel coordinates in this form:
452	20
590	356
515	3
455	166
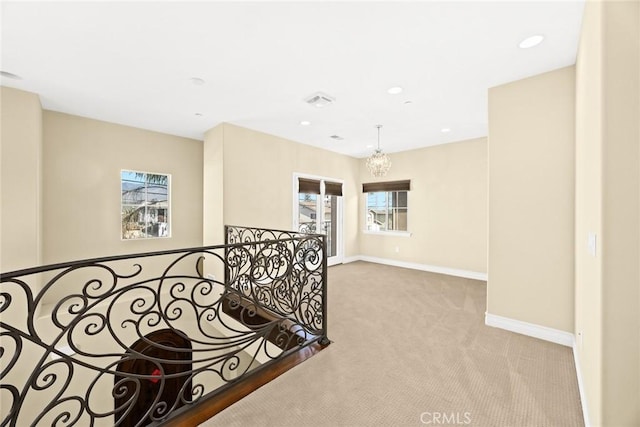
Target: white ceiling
132	63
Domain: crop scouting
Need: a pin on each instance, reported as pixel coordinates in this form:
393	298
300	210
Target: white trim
530	329
169	205
583	395
294	207
548	334
388	233
422	267
331	261
541	332
340	244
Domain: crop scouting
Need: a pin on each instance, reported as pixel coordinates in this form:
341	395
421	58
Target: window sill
388	233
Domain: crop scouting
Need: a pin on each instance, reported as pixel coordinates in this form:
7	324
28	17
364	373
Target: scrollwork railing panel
75	335
286	274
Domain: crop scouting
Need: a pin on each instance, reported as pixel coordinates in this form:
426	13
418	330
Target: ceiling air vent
320	100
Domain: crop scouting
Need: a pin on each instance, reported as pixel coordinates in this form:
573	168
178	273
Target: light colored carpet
410	348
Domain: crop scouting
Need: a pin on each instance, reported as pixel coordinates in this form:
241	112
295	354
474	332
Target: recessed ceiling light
369	145
408	102
197	81
10	75
305	123
531	41
199	114
445	130
336	137
394	90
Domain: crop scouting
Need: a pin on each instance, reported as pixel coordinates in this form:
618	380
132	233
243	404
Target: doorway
175	350
318	209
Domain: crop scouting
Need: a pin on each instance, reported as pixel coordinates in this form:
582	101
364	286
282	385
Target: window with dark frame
386	205
318	209
144	205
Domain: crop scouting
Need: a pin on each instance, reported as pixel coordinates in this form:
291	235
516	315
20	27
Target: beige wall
20	179
81	171
607	203
531	206
620	211
258	178
448	197
213	186
83	158
588	218
213	196
447	207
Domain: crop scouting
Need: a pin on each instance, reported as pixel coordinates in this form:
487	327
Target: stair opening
164	351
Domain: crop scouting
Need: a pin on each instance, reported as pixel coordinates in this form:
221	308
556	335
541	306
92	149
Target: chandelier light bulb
378	163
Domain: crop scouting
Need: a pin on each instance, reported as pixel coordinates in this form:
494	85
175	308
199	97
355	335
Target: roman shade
308	186
374	187
332	188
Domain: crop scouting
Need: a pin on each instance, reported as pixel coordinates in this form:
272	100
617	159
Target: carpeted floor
410	348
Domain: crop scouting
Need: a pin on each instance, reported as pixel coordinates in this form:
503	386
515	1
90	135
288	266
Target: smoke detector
320	100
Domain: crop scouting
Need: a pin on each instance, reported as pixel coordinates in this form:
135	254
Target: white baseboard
530	329
548	334
423	267
583	396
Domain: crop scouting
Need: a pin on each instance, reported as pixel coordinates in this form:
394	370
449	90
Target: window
318	210
145	205
387	211
387	206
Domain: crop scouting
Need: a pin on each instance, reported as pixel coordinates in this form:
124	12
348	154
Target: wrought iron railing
311	227
136	339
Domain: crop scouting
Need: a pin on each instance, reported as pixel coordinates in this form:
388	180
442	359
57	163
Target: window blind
374	187
332	188
308	186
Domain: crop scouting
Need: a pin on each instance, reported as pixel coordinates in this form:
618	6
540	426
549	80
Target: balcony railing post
227	230
324	340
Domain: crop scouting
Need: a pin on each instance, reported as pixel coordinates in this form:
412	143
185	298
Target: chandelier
378	163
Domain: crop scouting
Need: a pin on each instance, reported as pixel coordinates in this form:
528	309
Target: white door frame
339	256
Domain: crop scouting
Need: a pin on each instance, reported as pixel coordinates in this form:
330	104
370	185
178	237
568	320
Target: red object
155	376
